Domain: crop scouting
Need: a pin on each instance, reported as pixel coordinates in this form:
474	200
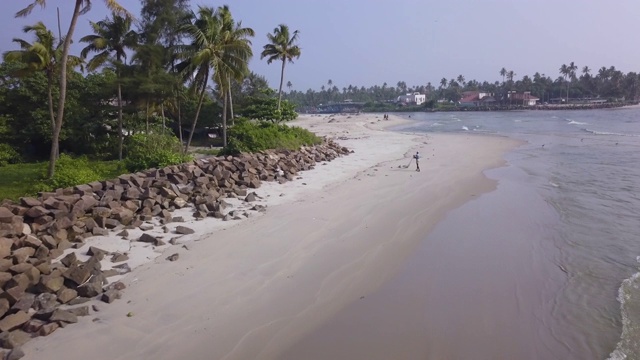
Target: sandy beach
251	289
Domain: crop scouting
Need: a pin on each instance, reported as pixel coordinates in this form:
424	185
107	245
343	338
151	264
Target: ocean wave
629	298
465	128
576	123
435	124
608	133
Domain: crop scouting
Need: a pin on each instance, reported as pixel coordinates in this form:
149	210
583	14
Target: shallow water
541	268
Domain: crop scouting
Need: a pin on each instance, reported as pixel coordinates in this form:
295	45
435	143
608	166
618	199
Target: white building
415	98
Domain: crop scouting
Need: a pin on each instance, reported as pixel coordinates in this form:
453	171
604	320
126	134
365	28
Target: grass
18	180
210	152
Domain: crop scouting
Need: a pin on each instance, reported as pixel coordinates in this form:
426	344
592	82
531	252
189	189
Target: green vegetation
148	81
26	179
282	47
154	150
251	136
8	155
208	152
266	108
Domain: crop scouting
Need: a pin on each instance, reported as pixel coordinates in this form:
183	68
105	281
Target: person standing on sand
417	157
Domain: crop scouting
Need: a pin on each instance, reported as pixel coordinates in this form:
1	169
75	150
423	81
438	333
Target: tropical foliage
149	81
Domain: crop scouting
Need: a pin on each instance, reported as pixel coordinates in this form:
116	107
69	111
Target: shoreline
235	295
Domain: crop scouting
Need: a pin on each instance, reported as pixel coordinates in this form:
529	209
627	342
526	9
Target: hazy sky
367	42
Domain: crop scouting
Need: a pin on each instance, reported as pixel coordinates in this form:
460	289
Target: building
412	99
476	98
525	98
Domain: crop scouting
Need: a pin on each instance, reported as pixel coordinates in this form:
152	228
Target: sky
369	42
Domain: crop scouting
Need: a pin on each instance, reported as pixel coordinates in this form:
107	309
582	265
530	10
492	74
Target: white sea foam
628	296
577	123
608	133
465	128
436	124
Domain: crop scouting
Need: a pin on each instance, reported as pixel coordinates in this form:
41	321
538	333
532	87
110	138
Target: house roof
470	98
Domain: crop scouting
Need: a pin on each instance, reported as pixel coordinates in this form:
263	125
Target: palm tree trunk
179	121
193	126
120	135
162	114
231	104
50	98
281	80
147	116
224	120
63	90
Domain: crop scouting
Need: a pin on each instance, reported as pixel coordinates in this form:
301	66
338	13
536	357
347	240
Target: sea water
586	166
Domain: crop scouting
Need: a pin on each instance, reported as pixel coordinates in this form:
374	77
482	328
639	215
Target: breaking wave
629	298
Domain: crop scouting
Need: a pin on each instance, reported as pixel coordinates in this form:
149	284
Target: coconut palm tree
43	55
234	33
80	7
461	80
282	46
503	73
213	50
111	38
290	85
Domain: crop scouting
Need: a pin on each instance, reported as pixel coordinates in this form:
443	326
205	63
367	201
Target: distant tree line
607	83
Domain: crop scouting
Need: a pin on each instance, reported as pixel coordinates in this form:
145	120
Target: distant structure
525	98
412	99
477	98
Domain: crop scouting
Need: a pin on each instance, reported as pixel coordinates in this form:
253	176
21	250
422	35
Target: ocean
570	201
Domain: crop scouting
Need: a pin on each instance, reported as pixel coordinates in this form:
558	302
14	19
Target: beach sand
251	289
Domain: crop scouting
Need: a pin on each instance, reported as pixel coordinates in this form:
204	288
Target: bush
248	136
154	150
266	108
71	172
8	155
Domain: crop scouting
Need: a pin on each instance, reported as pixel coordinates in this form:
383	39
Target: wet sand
474	289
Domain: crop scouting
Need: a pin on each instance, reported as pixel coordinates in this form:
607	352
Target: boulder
184	230
6	215
174	257
15	339
45	301
5	246
111	295
65	295
47	329
33	325
79	274
14	321
63	316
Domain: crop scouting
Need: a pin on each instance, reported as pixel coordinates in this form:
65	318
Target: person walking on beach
417	157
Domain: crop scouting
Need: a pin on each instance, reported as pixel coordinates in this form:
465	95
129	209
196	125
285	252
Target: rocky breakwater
42	290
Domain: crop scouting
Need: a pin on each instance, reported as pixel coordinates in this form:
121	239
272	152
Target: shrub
154	150
266	108
71	172
8	155
248	136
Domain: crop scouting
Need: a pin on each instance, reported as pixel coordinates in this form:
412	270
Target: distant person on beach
417	157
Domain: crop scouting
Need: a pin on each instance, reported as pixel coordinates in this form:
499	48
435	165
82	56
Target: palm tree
586	71
236	36
461	79
503	73
213	50
111	36
282	46
289	85
80	7
43	55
